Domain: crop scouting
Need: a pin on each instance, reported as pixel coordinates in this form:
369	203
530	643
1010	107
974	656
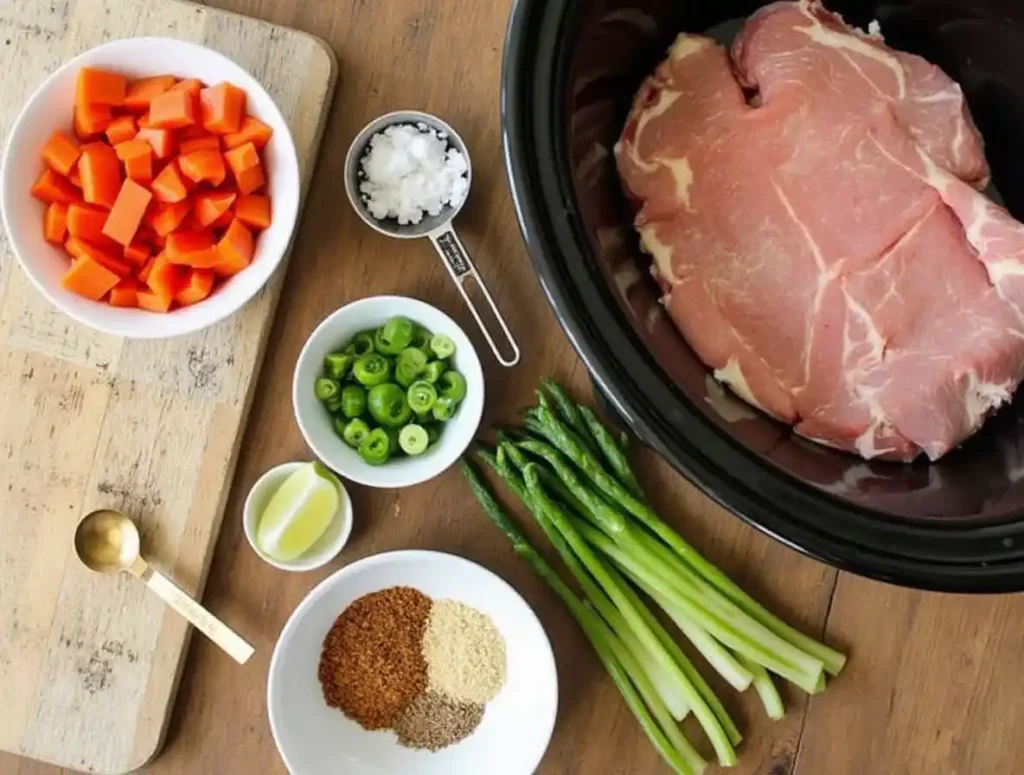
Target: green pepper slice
409	366
353	431
433	430
325	388
442	345
413	439
375	448
434	370
388	405
336	365
453	386
443	409
421	396
421	340
333	404
394	336
371	369
353	401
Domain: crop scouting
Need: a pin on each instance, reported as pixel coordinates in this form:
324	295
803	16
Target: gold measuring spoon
107	541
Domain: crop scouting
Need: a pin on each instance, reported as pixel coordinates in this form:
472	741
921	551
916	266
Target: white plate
517	724
49	108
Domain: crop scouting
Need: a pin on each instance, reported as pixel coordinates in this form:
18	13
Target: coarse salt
410	171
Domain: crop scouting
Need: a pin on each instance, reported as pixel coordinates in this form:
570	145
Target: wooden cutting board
89	664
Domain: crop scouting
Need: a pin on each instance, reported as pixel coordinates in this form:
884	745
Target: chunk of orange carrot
99	87
253	210
222	108
51	187
142	92
101	174
61	152
88	278
196	288
234	250
173	110
168	186
126	214
252	131
204	164
55	223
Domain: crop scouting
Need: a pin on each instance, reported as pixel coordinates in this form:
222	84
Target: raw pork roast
810	201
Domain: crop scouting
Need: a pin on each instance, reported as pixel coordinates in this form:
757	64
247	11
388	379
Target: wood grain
930	686
89	664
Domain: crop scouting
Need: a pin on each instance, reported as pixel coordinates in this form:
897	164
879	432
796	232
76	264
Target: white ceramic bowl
315	422
516	726
327	546
49	108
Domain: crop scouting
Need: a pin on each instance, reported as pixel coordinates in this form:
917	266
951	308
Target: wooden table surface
932	681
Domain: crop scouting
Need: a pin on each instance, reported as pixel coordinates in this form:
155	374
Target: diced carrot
86	222
223	220
123	294
121	130
203	165
51	188
201	143
196	288
234	250
143	121
61	152
154	302
137	252
75	247
117	265
55	223
165	218
101	174
250	180
161	140
137	156
74	178
222	107
253	210
193	85
253	131
88	278
126	214
90	120
242	158
146	268
99	87
191	248
173	110
165	278
168	186
159	240
141	92
211	205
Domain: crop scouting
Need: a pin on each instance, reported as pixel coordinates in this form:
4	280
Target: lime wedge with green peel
298	513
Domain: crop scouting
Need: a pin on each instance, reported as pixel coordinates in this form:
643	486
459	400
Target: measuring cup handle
460	266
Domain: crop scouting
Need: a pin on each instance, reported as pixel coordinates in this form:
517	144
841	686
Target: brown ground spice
371	665
434	721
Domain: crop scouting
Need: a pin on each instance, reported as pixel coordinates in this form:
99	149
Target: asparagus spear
611	452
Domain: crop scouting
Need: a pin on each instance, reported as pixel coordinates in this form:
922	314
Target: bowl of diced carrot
150	187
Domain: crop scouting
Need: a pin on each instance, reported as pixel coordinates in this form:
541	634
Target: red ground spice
371	665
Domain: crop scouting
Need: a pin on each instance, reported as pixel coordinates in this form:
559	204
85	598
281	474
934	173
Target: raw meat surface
810	203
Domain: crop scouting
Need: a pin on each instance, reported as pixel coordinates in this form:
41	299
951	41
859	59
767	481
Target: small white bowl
315	421
49	108
327	546
315	739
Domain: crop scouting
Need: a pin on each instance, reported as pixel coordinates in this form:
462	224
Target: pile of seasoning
395	659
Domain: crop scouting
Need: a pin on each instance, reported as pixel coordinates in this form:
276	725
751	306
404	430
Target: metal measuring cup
437	228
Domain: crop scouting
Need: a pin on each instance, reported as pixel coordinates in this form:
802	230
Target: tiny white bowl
327	546
49	108
315	421
315	739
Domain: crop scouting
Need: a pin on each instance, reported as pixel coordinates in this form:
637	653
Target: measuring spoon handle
210	625
460	266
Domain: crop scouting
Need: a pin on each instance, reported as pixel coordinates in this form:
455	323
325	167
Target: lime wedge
298	513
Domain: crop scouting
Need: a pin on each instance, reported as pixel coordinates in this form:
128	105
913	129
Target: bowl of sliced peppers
388	391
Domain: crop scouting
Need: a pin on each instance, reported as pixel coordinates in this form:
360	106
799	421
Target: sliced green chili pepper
413	439
333	404
394	336
394	446
336	365
353	401
325	388
434	370
375	448
409	366
443	409
361	344
421	396
354	431
371	369
339	424
442	345
453	386
388	405
421	340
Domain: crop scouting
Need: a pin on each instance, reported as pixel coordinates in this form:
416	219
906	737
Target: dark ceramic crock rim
987	558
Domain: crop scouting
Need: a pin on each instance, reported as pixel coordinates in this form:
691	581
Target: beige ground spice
465	653
434	721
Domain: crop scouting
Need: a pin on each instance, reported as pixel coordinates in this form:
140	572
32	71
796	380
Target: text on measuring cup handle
453	254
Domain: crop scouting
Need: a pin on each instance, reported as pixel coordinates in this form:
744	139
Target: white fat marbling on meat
732	375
